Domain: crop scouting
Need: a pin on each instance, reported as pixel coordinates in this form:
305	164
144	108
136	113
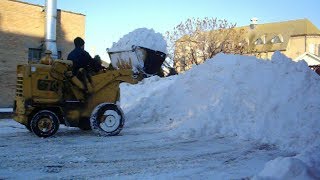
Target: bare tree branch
196	40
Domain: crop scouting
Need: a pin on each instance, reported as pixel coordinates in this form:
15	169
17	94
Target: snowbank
142	37
273	102
285	168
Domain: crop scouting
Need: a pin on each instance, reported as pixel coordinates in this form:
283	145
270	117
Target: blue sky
107	21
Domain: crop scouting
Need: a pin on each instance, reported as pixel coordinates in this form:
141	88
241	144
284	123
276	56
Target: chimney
51	27
254	22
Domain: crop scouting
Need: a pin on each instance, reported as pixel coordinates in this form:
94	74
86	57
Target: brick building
22	34
297	39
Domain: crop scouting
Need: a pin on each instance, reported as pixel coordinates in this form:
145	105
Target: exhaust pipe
51	27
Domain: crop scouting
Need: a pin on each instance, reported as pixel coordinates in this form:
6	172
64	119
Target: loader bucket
140	58
153	61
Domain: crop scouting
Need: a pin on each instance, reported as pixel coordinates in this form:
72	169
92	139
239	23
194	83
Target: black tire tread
37	117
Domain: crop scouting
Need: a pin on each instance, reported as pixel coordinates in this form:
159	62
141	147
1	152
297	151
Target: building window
34	54
59	55
277	39
244	42
258	41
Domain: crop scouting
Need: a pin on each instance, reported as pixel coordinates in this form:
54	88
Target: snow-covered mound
275	102
121	52
286	168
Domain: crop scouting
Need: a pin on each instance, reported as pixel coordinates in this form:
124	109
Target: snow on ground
274	102
135	154
233	117
6	110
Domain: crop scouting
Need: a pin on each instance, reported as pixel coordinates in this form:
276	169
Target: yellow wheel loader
48	95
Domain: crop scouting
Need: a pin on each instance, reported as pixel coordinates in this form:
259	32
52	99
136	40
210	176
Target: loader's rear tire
45	123
107	119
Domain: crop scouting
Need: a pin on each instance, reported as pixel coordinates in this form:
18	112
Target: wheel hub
110	120
45	124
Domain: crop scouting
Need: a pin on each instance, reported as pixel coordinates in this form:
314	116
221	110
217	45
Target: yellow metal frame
60	86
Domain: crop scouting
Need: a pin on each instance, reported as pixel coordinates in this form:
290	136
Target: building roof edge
19	1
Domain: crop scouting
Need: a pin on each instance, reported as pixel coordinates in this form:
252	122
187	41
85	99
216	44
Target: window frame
279	39
59	54
259	41
32	52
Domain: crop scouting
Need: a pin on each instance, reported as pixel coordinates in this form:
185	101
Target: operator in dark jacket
79	57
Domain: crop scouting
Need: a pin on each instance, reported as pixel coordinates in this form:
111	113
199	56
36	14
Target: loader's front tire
45	123
107	119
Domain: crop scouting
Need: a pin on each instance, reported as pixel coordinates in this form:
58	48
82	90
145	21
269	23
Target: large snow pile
275	102
286	168
121	51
